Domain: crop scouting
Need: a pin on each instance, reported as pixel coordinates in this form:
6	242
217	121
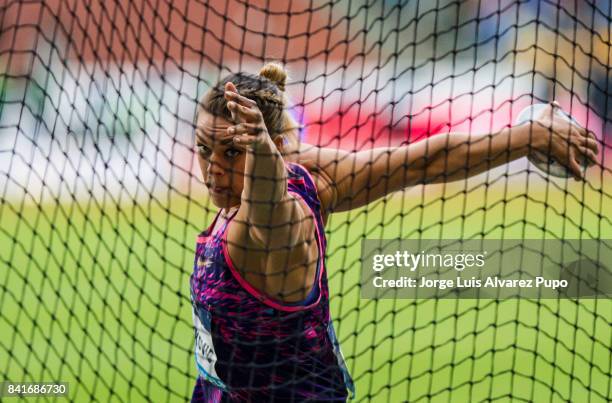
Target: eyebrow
203	138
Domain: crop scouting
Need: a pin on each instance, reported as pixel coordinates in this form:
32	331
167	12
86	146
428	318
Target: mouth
220	190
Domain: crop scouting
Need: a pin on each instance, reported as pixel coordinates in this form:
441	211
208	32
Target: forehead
210	127
208	121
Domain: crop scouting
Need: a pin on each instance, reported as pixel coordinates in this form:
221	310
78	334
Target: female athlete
259	286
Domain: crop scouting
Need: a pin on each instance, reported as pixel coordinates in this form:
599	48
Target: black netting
102	197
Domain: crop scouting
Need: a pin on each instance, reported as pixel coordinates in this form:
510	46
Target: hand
250	129
564	141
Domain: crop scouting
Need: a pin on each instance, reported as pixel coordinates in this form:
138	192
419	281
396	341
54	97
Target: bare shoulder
330	169
324	185
325	158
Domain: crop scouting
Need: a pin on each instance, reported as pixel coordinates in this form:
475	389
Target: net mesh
101	195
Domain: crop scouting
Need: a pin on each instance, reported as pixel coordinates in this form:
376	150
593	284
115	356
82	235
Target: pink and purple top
250	347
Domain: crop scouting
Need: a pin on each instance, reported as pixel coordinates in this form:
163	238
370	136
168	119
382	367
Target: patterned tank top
250	347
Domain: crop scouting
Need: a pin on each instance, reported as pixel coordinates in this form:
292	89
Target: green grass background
97	295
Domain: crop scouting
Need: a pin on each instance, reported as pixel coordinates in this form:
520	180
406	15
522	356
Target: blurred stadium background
101	201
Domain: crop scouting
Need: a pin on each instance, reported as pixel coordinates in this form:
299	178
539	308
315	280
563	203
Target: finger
240	99
248	114
248	128
576	134
592	145
585	153
592	141
588	155
577	141
585	145
592	157
584	142
573	165
246	139
233	110
229	104
229	86
583	134
591	135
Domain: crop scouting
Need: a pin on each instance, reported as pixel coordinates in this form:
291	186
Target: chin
223	201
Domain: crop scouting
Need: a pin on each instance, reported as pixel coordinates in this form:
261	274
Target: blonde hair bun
276	73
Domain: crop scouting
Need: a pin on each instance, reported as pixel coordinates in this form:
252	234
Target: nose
214	168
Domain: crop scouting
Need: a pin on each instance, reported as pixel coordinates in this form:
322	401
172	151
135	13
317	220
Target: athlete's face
221	160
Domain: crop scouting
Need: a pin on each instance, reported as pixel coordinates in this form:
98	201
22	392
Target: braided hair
267	90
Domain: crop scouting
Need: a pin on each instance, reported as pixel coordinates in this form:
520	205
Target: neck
227	211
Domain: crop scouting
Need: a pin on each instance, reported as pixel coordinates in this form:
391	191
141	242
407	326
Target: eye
203	150
232	153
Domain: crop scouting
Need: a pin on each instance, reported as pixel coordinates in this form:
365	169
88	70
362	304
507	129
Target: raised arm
271	217
352	179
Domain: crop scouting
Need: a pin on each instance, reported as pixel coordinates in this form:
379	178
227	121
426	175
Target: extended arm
352	179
